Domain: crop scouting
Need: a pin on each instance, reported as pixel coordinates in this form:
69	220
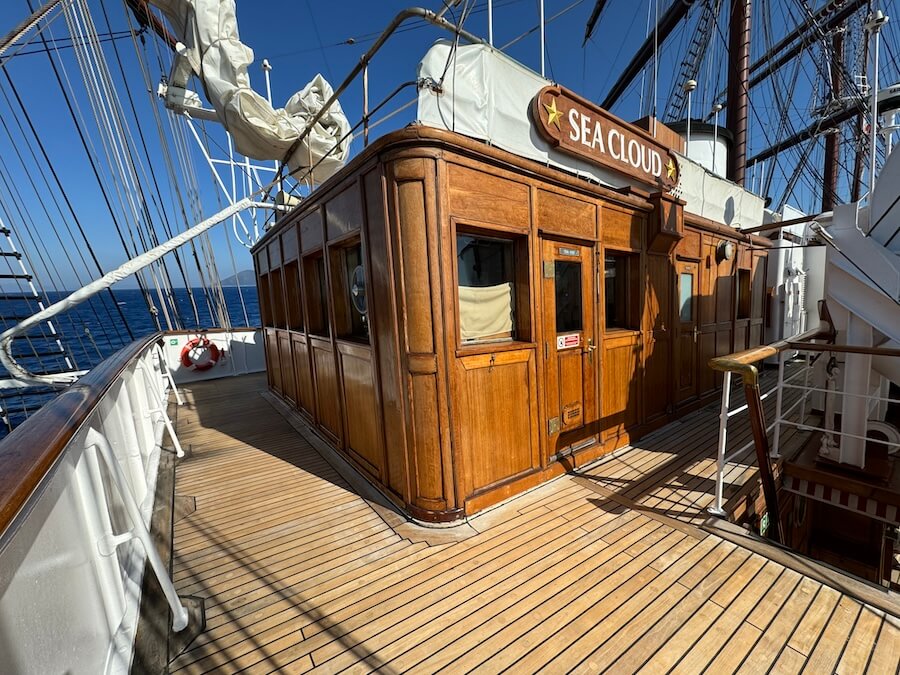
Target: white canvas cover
487	95
208	30
715	198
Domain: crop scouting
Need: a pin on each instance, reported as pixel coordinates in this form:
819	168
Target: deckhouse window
316	296
292	293
486	268
265	312
569	316
351	310
744	294
621	292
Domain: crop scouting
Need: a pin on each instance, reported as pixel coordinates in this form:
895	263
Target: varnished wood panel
416	274
500	404
689	247
707	351
288	382
274	249
343	212
303	374
429	470
311	234
484	197
274	362
262	261
383	329
363	428
290	247
328	401
659	327
621	382
567	216
621	229
725	291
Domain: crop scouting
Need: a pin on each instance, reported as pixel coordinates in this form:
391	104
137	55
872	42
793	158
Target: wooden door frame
590	303
694	265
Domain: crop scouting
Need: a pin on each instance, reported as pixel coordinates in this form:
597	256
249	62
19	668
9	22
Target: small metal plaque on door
553	426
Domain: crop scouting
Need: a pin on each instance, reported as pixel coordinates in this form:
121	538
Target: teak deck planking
300	574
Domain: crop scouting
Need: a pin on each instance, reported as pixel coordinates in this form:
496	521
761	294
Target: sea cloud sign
578	127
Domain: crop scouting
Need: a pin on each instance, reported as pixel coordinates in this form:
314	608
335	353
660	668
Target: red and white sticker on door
568	341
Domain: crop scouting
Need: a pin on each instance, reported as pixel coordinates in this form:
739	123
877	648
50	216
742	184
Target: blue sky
300	39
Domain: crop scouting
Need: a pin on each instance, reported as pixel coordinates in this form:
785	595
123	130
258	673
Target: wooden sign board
578	127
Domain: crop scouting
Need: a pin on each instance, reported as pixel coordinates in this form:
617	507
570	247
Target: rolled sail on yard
208	29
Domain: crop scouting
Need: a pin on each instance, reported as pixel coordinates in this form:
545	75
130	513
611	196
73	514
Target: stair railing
744	363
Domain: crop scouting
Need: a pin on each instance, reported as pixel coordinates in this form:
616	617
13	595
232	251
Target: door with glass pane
569	349
687	330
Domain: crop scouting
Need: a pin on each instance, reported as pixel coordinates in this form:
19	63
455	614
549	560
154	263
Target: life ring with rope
202	343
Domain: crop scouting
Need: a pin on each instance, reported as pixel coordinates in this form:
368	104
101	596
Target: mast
859	136
738	87
833	139
667	23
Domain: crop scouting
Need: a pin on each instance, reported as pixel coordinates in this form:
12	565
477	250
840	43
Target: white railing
797	414
73	557
725	458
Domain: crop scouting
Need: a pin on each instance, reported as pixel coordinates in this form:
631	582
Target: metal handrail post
160	408
167	373
776	438
139	530
717	509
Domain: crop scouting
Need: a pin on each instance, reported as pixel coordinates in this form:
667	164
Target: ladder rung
15	317
5	230
26	277
10	254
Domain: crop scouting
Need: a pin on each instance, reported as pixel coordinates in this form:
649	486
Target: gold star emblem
671	169
553	114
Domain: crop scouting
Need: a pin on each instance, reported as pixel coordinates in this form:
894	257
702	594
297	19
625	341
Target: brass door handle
590	349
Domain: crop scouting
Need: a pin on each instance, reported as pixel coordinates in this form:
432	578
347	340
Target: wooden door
687	330
569	345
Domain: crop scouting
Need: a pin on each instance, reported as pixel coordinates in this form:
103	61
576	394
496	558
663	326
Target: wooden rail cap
743	362
32	449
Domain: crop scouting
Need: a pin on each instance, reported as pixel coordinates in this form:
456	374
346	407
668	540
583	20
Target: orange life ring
205	343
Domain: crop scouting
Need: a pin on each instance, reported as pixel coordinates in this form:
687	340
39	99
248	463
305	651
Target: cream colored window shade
486	312
486	272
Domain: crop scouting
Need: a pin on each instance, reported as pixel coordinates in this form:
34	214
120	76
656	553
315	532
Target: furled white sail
208	31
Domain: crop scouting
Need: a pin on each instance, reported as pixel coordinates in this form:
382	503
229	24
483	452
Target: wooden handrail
33	448
743	362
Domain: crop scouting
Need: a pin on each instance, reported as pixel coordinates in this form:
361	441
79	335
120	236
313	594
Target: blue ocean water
95	329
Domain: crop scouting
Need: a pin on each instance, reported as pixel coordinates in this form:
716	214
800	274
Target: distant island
242	278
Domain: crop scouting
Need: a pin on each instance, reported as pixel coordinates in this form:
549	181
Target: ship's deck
587	572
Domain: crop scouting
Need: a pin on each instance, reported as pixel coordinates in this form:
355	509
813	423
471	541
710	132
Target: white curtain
485	311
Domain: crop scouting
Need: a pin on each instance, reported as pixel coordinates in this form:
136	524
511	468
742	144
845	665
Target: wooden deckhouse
462	324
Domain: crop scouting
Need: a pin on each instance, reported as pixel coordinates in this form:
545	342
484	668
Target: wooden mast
833	139
738	87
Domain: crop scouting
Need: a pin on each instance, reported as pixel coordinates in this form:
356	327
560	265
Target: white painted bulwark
72	562
241	352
